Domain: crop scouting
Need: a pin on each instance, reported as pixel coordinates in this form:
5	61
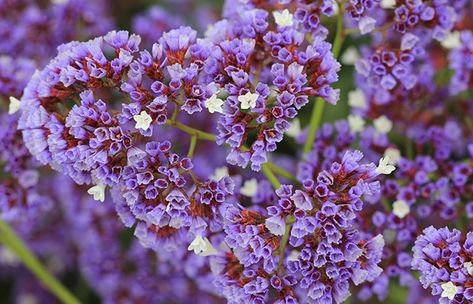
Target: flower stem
318	110
270	176
12	241
267	168
192	145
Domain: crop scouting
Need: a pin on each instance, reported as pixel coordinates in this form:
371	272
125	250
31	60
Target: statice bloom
305	247
153	194
153	23
14	75
305	15
443	258
33	29
266	83
461	62
438	17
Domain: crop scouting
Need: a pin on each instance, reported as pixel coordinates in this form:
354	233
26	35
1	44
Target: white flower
276	225
469	267
98	192
214	104
202	246
388	3
356	99
14	105
220	173
382	124
356	123
249	187
59	1
143	120
393	154
366	25
452	41
295	129
401	209
384	166
283	18
248	100
449	290
27	298
293	256
350	56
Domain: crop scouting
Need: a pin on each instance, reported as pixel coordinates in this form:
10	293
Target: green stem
282	172
315	120
11	240
192	145
318	110
198	133
267	168
270	176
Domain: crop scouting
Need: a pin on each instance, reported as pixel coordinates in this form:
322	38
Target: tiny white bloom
388	3
384	166
249	187
295	129
220	173
248	100
401	209
7	257
27	298
393	154
202	246
98	192
14	105
356	123
469	267
350	56
293	256
356	99
366	25
382	124
449	290
59	1
283	18
336	9
452	41
143	120
214	104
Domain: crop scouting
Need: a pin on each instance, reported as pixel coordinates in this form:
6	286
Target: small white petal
98	192
384	166
350	56
366	25
469	267
14	105
452	41
356	99
388	3
143	120
401	209
283	18
248	100
293	256
449	290
249	187
214	104
382	124
295	129
202	246
356	123
393	154
220	173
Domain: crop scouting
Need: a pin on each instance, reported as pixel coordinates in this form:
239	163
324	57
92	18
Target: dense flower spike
443	257
159	128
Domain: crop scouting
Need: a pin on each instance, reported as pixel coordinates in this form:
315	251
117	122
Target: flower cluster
443	258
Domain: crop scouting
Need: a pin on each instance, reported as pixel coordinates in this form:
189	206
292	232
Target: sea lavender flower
443	258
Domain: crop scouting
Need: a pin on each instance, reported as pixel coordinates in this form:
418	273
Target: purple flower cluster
444	259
